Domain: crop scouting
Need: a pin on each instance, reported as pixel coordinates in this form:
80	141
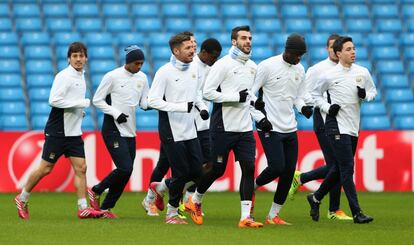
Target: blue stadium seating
37	52
89	24
386	53
39	67
386	66
394	81
11	94
298	25
230	23
9	38
4	10
10	80
114	10
85	10
147	121
39	94
373	109
375	123
12	107
66	38
101	52
402	108
26	10
268	25
325	11
304	123
118	25
148	25
359	25
39	80
389	25
404	122
39	121
355	11
59	25
102	66
407	10
9	66
13	122
208	25
328	25
40	108
294	11
9	52
145	10
125	39
98	39
178	24
233	10
55	10
399	95
5	24
382	39
264	11
36	35
28	25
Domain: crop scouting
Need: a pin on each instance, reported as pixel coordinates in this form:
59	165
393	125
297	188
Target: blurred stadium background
34	35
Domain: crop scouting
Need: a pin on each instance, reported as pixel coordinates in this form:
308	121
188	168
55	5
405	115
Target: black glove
264	125
307	111
122	118
190	106
259	105
243	95
333	110
204	114
361	92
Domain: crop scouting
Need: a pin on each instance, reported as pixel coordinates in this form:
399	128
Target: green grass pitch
53	221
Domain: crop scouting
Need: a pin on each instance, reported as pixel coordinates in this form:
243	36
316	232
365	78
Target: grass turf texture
53	221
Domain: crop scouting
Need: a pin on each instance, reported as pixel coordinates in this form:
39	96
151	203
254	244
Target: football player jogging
174	93
227	86
63	132
210	51
299	178
118	95
348	85
281	79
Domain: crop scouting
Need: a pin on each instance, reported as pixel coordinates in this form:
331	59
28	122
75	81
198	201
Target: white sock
24	196
82	203
171	211
197	197
245	209
187	196
150	197
274	210
162	187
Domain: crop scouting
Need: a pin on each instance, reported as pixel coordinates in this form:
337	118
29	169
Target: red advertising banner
384	162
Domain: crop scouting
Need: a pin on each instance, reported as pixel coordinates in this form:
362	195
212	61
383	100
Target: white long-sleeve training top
226	78
67	98
121	91
314	72
342	82
203	70
283	87
170	93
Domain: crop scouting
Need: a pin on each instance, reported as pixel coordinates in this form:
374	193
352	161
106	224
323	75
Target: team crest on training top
194	76
359	80
252	71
